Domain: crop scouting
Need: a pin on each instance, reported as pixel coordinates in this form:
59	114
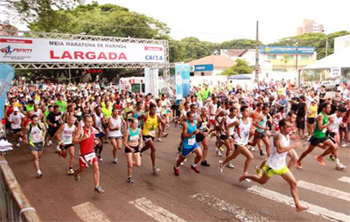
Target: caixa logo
154	57
8	50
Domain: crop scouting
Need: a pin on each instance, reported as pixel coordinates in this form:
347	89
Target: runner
241	140
100	124
319	136
115	123
85	136
149	133
311	114
34	136
132	143
189	145
64	137
17	119
260	132
54	120
276	164
202	136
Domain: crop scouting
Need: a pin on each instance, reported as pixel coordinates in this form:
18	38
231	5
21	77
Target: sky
221	20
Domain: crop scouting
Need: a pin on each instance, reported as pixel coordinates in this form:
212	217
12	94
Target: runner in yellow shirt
311	115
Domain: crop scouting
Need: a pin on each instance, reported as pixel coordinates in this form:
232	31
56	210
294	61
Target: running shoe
39	174
99	189
299	165
20	139
115	161
195	169
159	140
258	171
176	171
218	152
340	167
76	177
100	159
344	145
221	166
17	144
320	160
331	158
49	143
262	153
130	180
248	180
251	148
205	163
230	165
58	149
156	170
70	171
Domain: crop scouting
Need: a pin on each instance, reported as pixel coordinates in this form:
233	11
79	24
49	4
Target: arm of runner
125	140
25	134
140	140
124	123
185	134
319	120
279	149
58	134
77	138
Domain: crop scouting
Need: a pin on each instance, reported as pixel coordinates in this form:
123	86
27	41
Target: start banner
21	49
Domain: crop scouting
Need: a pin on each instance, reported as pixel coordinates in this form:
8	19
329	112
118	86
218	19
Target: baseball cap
16	109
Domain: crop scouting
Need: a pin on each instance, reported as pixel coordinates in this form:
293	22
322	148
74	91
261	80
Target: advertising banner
151	81
286	49
7	73
182	80
21	49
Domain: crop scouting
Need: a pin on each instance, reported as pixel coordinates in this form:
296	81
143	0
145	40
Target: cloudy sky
221	20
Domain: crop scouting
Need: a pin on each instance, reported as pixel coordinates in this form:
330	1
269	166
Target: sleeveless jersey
190	141
263	124
150	126
243	130
87	145
67	134
134	136
35	135
321	133
278	160
115	123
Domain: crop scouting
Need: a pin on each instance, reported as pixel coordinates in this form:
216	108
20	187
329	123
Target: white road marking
313	209
89	213
238	212
325	190
344	179
158	213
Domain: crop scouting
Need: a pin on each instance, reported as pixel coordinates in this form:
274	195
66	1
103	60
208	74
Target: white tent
340	60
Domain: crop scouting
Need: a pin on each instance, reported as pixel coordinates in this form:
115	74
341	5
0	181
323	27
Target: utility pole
257	53
296	63
326	46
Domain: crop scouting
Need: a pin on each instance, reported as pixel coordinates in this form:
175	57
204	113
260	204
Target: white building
341	43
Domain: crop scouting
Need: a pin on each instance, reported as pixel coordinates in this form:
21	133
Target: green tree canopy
241	67
239	44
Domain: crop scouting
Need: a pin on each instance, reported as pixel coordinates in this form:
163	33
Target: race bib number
37	136
191	141
134	138
89	157
152	133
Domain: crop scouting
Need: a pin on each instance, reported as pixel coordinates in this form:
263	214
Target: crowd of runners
270	117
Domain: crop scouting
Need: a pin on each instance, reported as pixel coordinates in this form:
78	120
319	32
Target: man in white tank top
64	137
276	164
241	140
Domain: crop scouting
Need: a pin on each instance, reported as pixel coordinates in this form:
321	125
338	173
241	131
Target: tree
193	48
240	44
241	67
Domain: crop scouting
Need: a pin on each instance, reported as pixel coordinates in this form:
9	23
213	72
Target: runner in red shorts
85	136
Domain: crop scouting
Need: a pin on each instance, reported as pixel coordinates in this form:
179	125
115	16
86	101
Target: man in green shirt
62	104
30	106
205	93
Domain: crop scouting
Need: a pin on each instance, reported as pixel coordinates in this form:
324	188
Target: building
310	26
341	43
210	65
8	30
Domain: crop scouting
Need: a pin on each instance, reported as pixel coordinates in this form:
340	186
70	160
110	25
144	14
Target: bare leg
289	178
96	174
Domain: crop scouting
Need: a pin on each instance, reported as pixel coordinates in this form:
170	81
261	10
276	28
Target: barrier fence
14	206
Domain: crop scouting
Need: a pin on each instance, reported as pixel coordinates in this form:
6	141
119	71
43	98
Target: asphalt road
208	196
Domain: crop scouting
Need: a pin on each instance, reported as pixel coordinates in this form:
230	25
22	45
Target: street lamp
296	62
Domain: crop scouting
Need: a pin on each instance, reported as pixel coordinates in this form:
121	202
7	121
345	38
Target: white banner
151	81
21	49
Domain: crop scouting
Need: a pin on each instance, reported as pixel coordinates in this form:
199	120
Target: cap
16	109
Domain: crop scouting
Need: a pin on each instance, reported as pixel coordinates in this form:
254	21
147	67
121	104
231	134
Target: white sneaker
230	165
340	166
156	170
58	150
20	139
115	161
218	152
251	148
221	167
17	144
49	143
343	145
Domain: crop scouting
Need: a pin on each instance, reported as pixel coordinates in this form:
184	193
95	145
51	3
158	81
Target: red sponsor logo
76	55
151	48
17	41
